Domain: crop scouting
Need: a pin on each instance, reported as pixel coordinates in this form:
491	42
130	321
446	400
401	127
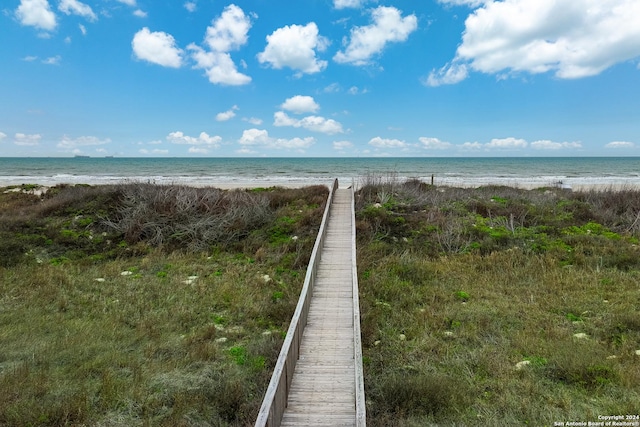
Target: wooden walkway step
326	386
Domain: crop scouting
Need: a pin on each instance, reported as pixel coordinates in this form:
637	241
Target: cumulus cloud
552	145
227	115
54	60
203	139
342	145
36	13
83	29
157	47
69	143
191	6
300	104
156	151
140	13
260	137
470	3
572	39
295	46
29	140
77	8
620	144
506	143
342	4
387	143
228	32
253	120
388	26
447	75
131	3
2	136
218	66
312	123
434	143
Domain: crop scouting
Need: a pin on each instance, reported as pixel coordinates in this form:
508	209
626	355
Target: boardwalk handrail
275	399
361	413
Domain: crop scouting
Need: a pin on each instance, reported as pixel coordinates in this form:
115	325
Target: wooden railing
275	399
361	413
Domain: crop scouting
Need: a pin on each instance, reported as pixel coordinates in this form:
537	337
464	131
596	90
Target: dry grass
524	274
100	327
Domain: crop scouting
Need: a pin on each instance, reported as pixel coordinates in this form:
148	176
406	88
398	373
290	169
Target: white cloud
342	4
36	13
54	60
387	143
434	143
157	151
471	146
228	32
203	139
131	3
140	13
253	120
572	39
295	47
2	136
77	8
68	143
342	145
312	123
470	3
191	6
388	26
157	47
506	143
218	66
22	139
30	58
260	137
447	75
620	144
227	115
83	29
300	104
551	145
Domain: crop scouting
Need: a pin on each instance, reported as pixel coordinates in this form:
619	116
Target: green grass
491	306
113	330
484	279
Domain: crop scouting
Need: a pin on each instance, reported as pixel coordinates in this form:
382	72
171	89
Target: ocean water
240	172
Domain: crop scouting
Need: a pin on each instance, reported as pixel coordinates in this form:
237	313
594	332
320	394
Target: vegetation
497	306
154	305
149	305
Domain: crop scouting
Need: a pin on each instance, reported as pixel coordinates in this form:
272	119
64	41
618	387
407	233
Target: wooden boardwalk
323	387
318	379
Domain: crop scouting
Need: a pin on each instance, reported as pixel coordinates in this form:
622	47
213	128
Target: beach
227	173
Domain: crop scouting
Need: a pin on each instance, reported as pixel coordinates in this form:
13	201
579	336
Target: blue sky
429	78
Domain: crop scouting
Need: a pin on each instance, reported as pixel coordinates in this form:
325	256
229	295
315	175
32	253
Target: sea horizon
526	172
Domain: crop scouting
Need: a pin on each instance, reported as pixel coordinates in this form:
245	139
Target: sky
320	78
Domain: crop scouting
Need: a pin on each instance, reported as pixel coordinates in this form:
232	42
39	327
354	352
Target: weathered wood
324	383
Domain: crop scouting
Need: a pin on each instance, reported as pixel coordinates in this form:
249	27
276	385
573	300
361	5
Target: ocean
259	172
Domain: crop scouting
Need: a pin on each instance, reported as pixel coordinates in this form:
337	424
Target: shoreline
577	185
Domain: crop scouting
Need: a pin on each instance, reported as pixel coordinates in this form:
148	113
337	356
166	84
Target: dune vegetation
152	305
498	306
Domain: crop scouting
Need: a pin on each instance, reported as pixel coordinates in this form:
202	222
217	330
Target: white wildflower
126	273
99	279
402	337
581	336
522	364
637	352
266	278
221	340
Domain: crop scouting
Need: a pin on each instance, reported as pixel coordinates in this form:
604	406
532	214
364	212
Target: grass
498	306
103	326
491	306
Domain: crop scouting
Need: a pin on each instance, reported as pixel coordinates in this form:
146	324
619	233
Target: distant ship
79	156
